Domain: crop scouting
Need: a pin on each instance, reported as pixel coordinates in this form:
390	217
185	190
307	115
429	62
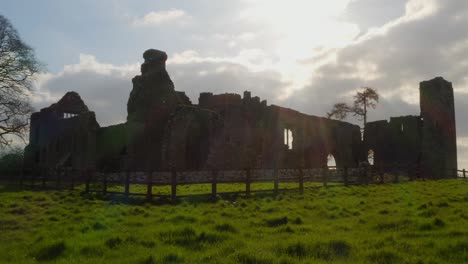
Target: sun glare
302	29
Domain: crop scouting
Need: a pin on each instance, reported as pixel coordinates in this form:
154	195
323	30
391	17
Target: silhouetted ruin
165	129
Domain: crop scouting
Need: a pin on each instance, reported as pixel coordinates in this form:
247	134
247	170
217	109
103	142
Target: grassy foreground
416	222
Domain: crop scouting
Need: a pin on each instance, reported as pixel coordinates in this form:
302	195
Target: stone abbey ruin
165	129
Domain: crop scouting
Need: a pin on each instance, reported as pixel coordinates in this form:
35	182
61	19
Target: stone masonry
165	129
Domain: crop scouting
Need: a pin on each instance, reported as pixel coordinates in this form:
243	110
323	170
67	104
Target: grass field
415	222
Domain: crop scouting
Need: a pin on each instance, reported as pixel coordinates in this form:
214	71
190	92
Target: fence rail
123	181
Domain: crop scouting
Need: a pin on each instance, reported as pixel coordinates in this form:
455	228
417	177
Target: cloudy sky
301	54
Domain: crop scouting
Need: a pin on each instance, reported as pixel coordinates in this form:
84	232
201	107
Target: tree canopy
17	65
363	101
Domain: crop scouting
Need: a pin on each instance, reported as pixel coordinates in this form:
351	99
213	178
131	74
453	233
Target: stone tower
439	142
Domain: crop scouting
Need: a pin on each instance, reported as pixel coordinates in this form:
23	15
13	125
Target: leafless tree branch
17	65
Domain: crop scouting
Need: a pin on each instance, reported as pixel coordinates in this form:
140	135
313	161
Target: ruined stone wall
231	132
112	147
406	135
439	143
63	134
75	146
237	141
394	143
314	139
187	138
251	135
218	135
152	102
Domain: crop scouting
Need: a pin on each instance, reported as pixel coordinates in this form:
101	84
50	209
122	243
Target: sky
301	54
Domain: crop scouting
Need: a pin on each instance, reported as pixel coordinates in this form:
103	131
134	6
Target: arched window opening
288	138
370	157
331	163
402	128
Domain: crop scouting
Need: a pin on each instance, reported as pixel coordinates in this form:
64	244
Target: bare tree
17	65
363	101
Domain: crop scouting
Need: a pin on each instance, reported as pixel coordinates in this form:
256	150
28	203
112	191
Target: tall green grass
415	222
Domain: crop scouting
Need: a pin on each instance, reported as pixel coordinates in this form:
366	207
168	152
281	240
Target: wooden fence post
44	177
366	175
247	181
464	174
214	181
276	179
88	179
127	182
33	177
396	180
149	185
72	178
57	180
410	173
345	176
418	172
66	175
301	180
173	184
325	177
104	183
381	176
21	176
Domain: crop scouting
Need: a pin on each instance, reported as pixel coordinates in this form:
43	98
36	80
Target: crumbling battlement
230	131
63	134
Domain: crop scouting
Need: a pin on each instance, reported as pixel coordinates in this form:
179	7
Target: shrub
183	219
298	221
172	258
457	253
274	222
443	204
148	244
438	222
50	252
397	225
297	249
384	257
244	258
226	228
331	249
149	260
113	242
89	251
188	238
98	226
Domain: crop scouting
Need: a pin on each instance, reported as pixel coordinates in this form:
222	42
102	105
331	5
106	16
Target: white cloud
301	54
414	10
428	40
254	59
89	63
161	17
104	87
